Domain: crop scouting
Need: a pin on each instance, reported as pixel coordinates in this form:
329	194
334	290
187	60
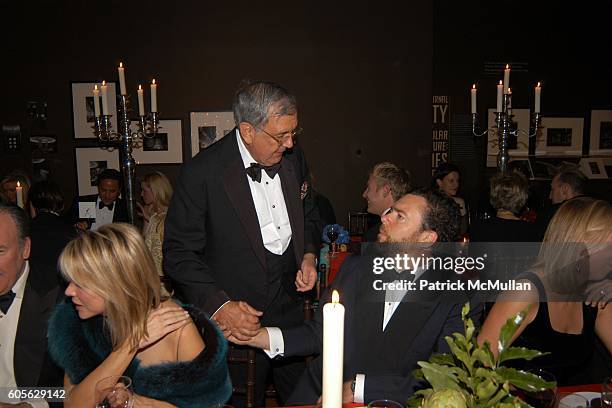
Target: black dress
498	229
569	353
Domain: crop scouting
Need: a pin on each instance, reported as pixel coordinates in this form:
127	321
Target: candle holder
125	139
503	130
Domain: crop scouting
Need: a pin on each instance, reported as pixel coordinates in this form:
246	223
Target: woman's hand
161	321
145	211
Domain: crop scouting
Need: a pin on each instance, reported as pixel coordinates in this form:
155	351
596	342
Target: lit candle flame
335	297
121	65
96	87
139	87
507	66
465	240
509	90
473	86
538	84
500	81
153	81
103	83
18	184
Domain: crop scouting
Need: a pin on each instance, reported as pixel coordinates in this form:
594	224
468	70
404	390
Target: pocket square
304	190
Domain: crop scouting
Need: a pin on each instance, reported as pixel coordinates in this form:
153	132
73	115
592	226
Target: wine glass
114	392
606	393
385	403
332	234
545	398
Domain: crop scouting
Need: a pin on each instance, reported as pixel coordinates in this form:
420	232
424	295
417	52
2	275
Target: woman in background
115	323
156	192
572	266
446	177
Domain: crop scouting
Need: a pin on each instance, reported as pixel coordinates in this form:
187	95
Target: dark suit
213	248
32	364
120	209
49	234
387	358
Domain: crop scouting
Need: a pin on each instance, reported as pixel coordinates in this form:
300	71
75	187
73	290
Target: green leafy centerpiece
472	377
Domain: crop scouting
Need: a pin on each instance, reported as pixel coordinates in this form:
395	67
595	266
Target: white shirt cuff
359	388
277	344
213	315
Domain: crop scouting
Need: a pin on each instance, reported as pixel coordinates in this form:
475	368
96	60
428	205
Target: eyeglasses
282	137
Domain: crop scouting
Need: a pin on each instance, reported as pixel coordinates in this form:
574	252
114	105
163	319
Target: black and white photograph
208	128
90	162
83	108
165	147
560	136
605	135
155	143
601	132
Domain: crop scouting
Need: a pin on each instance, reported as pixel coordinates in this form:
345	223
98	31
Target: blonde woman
572	267
115	323
156	192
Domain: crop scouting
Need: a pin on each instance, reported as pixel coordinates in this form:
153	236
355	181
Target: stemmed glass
332	234
114	392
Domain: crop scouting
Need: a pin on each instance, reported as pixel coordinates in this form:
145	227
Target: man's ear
247	131
566	191
27	244
386	190
428	236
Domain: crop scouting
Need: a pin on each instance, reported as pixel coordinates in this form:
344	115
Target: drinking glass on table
606	393
385	403
114	392
545	398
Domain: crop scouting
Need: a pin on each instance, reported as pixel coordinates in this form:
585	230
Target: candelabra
503	119
125	139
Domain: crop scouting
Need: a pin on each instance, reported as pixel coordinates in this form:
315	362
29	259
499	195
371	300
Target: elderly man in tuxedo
109	207
26	300
242	230
386	331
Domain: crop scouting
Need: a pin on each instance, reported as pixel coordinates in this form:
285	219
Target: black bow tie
110	206
254	171
391	275
6	300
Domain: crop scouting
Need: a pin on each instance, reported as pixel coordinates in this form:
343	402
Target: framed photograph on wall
560	136
83	108
518	146
209	127
90	162
601	132
593	168
166	147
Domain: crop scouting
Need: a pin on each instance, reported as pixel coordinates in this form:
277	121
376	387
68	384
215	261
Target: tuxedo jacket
119	215
213	250
31	362
387	358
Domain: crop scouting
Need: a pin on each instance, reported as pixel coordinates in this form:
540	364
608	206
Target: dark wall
362	74
562	45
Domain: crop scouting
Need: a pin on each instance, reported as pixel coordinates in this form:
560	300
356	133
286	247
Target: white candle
538	94
333	349
509	98
153	96
141	109
19	192
473	92
96	93
506	79
122	79
500	96
104	88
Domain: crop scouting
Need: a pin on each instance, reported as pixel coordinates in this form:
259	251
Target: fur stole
79	346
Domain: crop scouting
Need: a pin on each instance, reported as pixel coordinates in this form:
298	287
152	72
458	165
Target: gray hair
254	99
19	217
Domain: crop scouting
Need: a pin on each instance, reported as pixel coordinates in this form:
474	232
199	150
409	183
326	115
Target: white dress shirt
269	204
103	215
8	332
